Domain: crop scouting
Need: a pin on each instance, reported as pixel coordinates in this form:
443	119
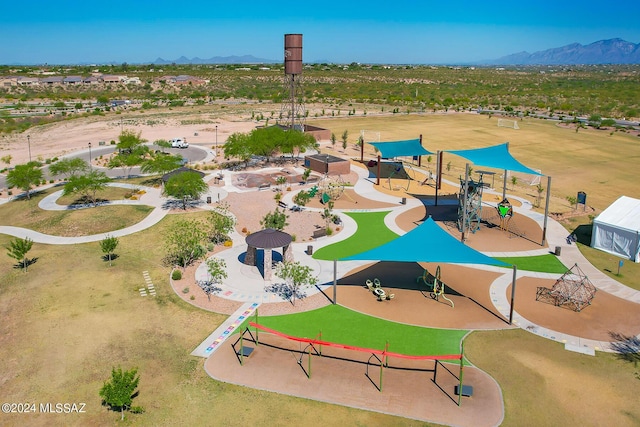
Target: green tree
161	163
24	177
276	220
297	276
294	142
184	242
302	198
345	136
216	267
69	167
131	152
333	139
87	185
221	222
514	181
102	99
128	140
163	144
539	190
185	186
18	250
265	141
6	159
237	146
108	246
118	393
305	174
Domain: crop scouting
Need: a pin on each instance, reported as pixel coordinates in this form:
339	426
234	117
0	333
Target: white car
179	143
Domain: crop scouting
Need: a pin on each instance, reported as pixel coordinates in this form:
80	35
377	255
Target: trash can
582	198
208	199
558	250
403	201
309	249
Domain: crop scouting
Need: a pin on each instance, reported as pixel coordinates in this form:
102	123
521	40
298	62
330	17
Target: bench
467	390
283	205
320	232
263	186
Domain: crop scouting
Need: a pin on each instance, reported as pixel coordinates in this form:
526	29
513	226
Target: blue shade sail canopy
497	157
410	147
426	243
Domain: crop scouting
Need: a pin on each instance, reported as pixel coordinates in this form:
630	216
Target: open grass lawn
545	385
70	223
341	325
371	233
109	193
543	263
602	165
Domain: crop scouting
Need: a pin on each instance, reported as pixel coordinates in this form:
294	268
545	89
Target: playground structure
397	170
435	285
330	189
377	359
470	205
505	213
572	290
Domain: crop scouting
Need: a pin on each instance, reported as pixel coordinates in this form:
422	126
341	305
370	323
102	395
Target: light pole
29	144
90	156
216	150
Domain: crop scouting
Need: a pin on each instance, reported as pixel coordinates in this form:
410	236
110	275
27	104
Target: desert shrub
176	275
185	290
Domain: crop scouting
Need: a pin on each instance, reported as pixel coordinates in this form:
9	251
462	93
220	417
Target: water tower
292	112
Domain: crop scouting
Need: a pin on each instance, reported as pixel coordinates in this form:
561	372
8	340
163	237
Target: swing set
309	347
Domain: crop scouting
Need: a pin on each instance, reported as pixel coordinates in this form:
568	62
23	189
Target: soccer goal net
370	135
523	178
508	123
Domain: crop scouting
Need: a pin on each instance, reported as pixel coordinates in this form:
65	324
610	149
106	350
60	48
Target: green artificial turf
542	263
371	233
341	325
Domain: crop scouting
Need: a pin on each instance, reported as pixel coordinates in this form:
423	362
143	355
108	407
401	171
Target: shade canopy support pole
546	212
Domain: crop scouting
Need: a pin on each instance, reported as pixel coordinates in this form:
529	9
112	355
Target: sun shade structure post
362	150
513	293
335	281
461	372
420	157
504	184
438	173
257	323
378	174
464	202
546	212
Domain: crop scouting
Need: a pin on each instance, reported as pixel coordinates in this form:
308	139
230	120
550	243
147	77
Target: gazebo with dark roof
268	239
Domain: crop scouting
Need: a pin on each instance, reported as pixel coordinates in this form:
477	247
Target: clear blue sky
401	31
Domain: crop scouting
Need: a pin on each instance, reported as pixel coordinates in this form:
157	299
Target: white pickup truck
179	143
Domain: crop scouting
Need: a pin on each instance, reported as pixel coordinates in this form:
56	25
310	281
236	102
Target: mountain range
612	51
244	59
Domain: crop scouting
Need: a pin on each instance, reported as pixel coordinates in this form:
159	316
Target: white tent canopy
617	229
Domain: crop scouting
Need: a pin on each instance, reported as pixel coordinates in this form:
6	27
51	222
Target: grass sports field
71	318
